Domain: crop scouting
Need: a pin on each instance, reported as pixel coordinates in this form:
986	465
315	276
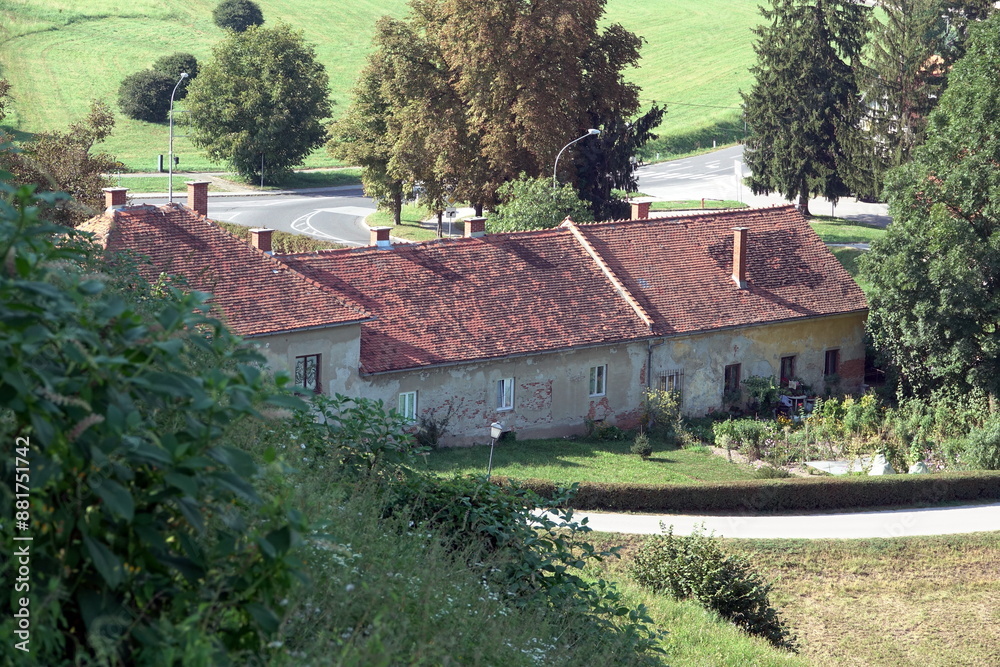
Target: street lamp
590	133
496	430
170	167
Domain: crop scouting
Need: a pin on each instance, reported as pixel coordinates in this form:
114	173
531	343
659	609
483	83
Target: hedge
778	495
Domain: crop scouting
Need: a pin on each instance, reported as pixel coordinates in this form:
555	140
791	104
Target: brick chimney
475	227
740	257
198	196
114	198
380	237
640	210
261	239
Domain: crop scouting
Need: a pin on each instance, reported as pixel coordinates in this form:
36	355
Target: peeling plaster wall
339	347
703	358
551	391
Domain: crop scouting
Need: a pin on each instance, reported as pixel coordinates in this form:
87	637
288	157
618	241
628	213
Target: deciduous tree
935	297
261	102
237	15
65	162
804	109
145	95
176	64
532	203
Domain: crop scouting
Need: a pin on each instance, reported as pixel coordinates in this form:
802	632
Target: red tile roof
257	293
504	294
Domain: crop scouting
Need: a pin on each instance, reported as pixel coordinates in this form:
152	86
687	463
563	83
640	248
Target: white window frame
599	380
505	394
407	406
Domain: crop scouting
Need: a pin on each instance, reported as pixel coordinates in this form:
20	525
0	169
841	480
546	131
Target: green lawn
839	230
60	54
409	227
586	460
849	258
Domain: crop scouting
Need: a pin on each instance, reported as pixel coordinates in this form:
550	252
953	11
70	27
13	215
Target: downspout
649	361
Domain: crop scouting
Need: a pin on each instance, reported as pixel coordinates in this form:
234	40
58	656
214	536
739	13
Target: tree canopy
66	162
475	93
935	276
261	99
804	108
532	203
237	15
145	95
174	65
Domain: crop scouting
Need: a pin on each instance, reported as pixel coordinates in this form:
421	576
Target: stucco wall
339	349
552	391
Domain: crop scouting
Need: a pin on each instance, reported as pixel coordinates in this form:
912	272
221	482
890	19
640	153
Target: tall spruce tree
935	276
902	80
804	109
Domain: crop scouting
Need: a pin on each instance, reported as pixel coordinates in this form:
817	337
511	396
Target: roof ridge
608	272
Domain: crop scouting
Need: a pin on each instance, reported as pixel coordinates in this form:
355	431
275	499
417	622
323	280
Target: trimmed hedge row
778	495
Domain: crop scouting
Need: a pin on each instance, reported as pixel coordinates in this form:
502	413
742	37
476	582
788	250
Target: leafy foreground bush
696	567
149	542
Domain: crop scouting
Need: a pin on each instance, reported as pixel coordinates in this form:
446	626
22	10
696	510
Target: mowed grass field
60	54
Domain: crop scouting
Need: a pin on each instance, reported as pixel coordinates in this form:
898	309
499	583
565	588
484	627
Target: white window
408	405
672	381
505	394
597	375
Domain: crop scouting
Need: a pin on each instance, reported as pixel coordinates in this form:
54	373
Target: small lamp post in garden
496	430
590	133
170	171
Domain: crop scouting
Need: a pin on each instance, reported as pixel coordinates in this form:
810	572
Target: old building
540	330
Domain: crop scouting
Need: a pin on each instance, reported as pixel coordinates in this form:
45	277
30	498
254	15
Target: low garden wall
779	495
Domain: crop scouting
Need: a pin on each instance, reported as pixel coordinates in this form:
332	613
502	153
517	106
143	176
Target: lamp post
590	133
496	430
170	167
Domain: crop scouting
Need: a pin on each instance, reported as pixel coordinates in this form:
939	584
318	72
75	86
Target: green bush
797	494
750	436
150	543
696	567
176	64
237	15
982	447
770	472
145	95
282	243
641	446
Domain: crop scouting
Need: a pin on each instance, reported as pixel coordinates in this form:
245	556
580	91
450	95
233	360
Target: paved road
331	214
891	523
714	176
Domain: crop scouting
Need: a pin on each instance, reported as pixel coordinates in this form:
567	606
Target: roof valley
609	273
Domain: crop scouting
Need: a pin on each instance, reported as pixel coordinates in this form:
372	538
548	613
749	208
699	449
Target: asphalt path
719	174
847	525
330	214
337	214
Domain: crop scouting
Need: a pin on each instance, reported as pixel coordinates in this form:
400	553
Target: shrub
642	447
282	243
145	95
176	64
603	431
982	447
237	15
770	472
431	428
696	567
762	394
150	543
749	435
661	413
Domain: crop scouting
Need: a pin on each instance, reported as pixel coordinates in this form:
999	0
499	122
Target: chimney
261	239
114	198
380	237
475	227
640	210
740	257
198	197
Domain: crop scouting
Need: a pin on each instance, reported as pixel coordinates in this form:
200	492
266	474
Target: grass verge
585	460
410	226
903	601
839	230
849	258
